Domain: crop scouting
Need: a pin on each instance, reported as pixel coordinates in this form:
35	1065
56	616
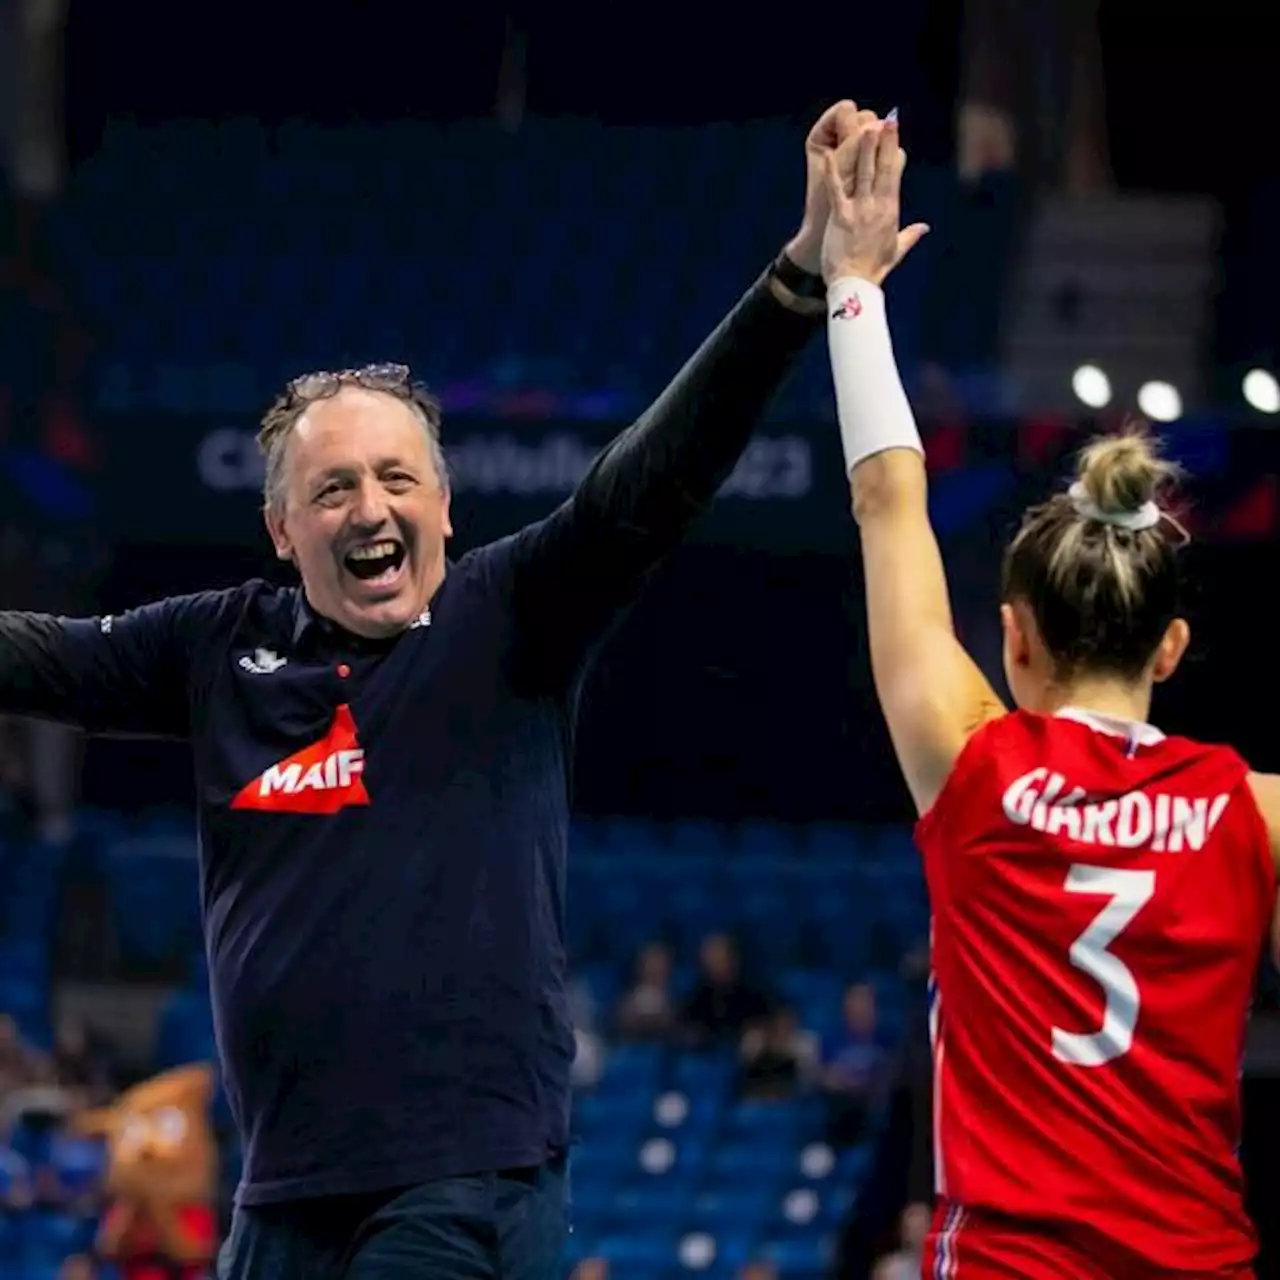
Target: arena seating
216	259
672	1173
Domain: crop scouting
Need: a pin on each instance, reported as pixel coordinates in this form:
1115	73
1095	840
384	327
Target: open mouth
376	563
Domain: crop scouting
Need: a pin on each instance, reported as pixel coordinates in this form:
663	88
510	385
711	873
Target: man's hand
864	187
836	127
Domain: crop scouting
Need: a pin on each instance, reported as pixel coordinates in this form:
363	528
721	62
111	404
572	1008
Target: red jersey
1101	895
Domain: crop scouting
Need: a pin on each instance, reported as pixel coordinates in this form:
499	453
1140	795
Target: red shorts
964	1245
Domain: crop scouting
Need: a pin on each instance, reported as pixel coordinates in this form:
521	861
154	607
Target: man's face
363	514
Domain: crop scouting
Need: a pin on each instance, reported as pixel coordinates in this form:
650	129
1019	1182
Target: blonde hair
1102	585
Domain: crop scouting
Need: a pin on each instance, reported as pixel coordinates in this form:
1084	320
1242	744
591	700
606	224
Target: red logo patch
322	778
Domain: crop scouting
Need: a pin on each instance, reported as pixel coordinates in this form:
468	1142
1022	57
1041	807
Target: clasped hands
854	163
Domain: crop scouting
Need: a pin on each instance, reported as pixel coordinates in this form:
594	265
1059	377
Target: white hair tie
1146	516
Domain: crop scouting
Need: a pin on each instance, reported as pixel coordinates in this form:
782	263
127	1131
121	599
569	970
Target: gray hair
301	393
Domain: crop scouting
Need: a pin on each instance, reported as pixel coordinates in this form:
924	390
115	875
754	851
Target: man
382	767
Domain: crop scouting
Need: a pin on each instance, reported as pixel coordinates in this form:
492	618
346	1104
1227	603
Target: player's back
1100	895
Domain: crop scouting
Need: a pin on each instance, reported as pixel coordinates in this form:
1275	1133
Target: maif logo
322	778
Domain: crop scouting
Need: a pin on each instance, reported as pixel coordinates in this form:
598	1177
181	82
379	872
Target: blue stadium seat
598	1164
707	1074
765	1122
603	981
838	842
24	961
660	1202
155	893
46	1237
722	1207
805	1253
698	839
853	1164
769	839
173	222
772	929
633	1067
622	1114
694	1115
27	1003
650	1249
14	1171
79	1165
745	1161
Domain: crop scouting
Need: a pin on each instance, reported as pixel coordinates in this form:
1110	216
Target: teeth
374	551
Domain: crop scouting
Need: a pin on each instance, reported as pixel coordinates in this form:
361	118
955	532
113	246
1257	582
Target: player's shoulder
197	615
490	569
209	618
1013	751
1003	743
1004	740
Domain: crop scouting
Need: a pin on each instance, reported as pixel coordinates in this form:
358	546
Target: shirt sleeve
577	570
127	674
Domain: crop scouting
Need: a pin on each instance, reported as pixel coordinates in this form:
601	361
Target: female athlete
1100	892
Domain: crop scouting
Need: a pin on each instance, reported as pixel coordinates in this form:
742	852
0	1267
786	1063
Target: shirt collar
1145	735
307	622
312	628
305	619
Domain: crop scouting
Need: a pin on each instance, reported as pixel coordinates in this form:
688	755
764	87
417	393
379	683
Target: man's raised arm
122	674
583	564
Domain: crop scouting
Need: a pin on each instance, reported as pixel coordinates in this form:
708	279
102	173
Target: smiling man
356	495
382	760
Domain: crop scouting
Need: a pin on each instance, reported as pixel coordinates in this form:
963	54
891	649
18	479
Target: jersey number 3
1129	892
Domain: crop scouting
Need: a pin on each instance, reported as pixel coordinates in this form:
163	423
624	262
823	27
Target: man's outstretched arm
122	674
576	570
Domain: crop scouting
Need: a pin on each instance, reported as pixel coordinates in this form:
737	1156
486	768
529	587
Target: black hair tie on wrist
797	281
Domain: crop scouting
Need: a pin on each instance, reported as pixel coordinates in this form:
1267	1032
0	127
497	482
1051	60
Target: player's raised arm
123	674
932	693
584	563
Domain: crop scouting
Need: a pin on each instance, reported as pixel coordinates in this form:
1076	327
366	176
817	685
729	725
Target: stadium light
1262	391
1160	401
1092	386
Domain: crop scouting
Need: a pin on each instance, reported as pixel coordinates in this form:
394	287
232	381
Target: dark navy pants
490	1226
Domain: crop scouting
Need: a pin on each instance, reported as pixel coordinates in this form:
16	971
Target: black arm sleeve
122	674
575	571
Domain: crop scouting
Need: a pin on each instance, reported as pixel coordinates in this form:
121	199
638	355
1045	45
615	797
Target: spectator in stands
33	1115
647	1011
15	1182
758	1270
853	1067
15	1058
81	1063
591	1269
722	1005
778	1058
78	1267
905	1262
901	1170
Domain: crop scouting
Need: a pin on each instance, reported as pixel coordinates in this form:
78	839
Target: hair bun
1120	473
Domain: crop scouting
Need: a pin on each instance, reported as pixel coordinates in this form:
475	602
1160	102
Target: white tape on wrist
872	406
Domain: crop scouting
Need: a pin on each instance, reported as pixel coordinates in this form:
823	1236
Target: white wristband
871	404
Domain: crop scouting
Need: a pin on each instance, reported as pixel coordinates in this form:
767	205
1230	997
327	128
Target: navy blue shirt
383	825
